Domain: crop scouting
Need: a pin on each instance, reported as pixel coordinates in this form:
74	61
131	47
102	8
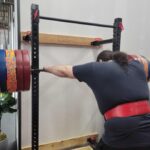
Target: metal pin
37	70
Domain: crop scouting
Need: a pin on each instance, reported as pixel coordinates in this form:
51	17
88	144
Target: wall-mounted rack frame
35	17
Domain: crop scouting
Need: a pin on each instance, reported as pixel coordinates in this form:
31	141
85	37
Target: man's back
112	84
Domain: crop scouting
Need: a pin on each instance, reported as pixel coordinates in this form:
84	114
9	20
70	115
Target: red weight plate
26	78
19	69
26	69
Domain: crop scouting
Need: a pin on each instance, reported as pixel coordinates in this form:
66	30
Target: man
107	55
122	94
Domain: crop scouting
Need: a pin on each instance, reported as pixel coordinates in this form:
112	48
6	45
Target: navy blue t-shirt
113	85
148	70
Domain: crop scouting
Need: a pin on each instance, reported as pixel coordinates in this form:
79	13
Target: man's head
105	55
119	57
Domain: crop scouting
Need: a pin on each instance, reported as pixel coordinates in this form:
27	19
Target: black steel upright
19	93
117	34
35	76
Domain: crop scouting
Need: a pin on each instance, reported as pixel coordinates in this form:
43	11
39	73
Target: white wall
67	107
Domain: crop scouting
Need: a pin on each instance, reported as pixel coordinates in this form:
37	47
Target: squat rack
35	17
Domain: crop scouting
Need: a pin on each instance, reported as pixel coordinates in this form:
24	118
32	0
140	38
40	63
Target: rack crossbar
76	22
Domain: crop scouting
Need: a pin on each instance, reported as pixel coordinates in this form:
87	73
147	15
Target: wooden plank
64	39
64	144
84	148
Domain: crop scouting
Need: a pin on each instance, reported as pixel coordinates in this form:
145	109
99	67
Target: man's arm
60	71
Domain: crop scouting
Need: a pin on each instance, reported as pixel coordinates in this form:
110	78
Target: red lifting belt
26	70
19	69
128	109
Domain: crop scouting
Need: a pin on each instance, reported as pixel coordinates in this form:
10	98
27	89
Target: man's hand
60	71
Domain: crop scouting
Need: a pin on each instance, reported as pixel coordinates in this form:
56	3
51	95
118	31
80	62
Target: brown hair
119	57
105	56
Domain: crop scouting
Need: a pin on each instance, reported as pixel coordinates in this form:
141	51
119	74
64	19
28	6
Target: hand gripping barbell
15	70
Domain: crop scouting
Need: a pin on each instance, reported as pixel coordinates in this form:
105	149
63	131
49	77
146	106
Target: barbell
15	70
